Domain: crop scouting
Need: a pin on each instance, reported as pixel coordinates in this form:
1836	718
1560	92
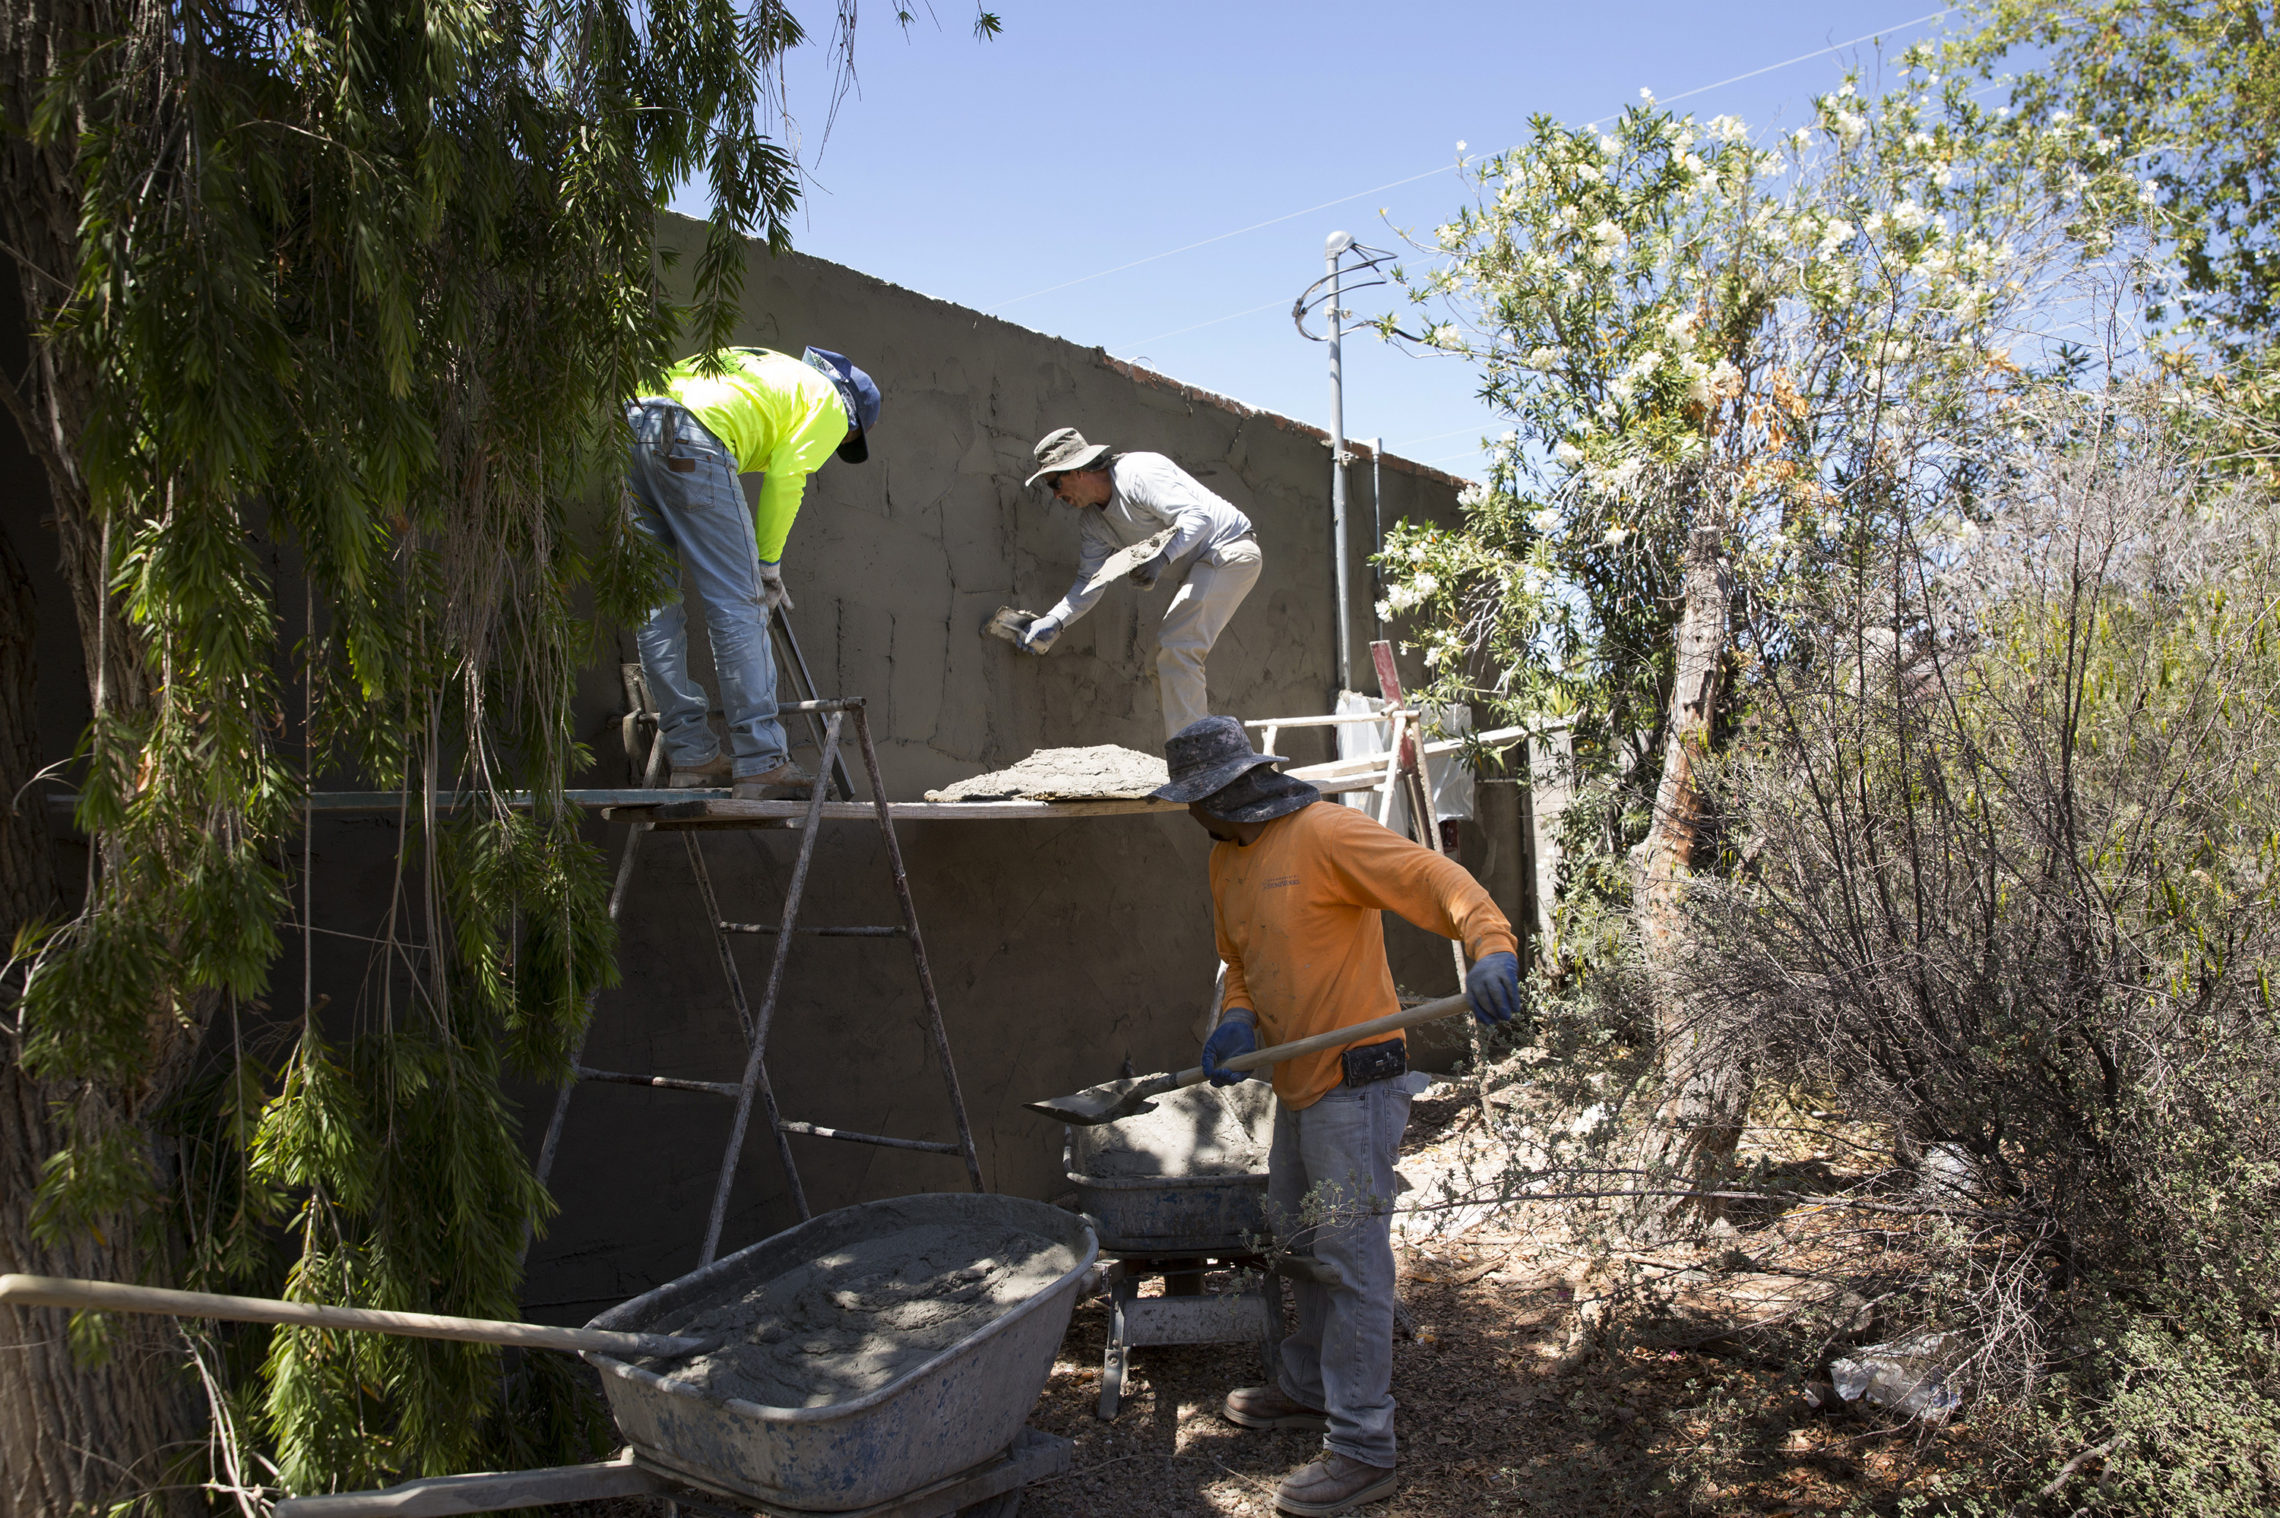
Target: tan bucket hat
1063	450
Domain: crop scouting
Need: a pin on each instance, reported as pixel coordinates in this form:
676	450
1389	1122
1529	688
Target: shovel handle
1336	1038
114	1296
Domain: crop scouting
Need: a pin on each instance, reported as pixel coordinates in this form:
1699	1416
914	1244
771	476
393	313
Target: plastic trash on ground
1903	1374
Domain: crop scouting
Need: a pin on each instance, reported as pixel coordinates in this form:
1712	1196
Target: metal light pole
1326	292
1336	244
1377	529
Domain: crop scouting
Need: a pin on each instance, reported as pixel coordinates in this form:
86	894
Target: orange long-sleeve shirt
1297	918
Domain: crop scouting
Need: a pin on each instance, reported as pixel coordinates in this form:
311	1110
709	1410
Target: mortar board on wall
857	392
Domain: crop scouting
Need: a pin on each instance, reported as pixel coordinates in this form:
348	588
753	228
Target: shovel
1112	1100
113	1296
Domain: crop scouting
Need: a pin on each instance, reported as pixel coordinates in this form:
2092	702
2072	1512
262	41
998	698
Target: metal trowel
1111	1100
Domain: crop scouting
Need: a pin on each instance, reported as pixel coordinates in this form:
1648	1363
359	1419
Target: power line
1428	174
1820	52
1222	237
1215	321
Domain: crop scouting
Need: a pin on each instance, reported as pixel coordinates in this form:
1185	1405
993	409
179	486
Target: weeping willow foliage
368	280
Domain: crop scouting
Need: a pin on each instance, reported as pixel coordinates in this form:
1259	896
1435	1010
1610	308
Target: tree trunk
1705	1088
77	1433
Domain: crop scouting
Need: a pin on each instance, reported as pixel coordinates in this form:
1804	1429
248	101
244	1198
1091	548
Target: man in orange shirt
1296	889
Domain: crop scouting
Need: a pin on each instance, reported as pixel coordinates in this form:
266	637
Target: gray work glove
1039	635
1146	575
772	590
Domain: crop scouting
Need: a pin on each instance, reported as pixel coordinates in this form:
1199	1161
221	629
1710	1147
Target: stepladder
751	1091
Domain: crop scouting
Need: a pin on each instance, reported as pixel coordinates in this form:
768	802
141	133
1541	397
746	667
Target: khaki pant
1193	623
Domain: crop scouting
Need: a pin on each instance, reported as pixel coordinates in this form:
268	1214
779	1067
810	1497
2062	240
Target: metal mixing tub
1176	1214
963	1406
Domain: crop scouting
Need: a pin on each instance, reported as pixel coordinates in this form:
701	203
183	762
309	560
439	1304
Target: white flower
1398	598
1624	475
1609	146
1545	360
1944	175
1908	216
1848	126
1385	611
1460	144
1694	166
1920	140
1426	582
1568	454
1417	553
2150	191
1472	495
1623	386
1547	521
1605	411
1447	336
1802	137
1728	128
1680	328
1834	236
1846	92
1874	226
1646	94
1613	538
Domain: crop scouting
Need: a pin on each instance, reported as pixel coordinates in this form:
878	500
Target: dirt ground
1674	1404
1668	1414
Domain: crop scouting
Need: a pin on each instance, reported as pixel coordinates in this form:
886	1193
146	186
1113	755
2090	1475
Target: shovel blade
1104	1103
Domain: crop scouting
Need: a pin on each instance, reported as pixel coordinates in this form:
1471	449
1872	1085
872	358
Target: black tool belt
1367	1064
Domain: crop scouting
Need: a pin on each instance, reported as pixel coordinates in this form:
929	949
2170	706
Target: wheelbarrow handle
444	1496
114	1296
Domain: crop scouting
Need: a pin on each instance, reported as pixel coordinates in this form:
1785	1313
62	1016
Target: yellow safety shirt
779	416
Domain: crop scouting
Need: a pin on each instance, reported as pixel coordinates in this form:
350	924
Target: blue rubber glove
1493	988
1039	635
1146	575
1234	1035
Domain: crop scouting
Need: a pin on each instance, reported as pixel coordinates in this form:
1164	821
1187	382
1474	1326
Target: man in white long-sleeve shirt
1126	498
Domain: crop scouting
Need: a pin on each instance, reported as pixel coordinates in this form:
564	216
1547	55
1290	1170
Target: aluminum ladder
828	715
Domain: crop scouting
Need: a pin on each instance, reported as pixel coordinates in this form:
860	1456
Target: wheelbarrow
944	1437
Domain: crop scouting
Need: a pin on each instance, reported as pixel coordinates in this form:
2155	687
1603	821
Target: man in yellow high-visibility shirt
1297	886
741	410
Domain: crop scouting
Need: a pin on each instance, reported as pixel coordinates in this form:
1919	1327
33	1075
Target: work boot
786	782
1333	1484
1267	1407
716	771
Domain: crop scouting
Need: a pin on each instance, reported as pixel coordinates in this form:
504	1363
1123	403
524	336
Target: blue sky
1091	135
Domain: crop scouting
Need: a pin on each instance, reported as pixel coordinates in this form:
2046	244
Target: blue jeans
1330	1190
697	515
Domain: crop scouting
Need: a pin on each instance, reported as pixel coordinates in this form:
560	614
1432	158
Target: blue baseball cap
860	395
